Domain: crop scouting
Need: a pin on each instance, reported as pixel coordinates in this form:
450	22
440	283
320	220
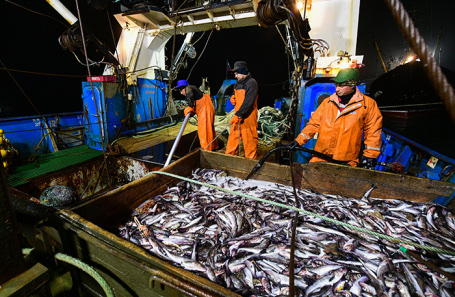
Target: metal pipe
63	11
177	139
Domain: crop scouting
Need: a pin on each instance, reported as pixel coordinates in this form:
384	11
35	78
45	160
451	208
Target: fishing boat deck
52	162
132	144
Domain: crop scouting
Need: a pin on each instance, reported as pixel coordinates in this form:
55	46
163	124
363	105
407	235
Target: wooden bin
132	271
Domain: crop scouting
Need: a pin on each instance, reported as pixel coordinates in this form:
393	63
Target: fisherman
340	122
246	113
200	104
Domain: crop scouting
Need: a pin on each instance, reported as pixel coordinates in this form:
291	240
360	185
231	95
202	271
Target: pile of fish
244	245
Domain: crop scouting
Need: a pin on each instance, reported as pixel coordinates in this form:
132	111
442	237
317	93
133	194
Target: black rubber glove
368	163
293	145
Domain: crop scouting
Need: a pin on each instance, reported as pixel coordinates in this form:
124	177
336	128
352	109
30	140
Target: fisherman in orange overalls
341	120
246	113
200	104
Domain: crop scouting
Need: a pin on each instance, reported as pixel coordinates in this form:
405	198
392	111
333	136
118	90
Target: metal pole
177	140
239	138
63	11
11	261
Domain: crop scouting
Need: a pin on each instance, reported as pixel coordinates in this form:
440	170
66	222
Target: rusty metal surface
89	178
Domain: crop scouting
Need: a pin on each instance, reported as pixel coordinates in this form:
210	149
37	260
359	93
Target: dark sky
29	43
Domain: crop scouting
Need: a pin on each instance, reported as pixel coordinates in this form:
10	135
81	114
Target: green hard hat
347	74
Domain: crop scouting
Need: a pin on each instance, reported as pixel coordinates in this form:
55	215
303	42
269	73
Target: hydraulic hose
303	149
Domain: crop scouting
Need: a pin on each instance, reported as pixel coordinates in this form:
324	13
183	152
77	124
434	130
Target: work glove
368	163
235	119
187	110
233	100
293	145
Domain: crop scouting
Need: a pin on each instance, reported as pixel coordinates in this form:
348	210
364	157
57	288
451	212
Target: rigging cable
112	34
28	98
287	47
39	13
101	125
40	73
200	55
435	74
186	51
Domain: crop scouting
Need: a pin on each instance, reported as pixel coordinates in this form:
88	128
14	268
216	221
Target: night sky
29	44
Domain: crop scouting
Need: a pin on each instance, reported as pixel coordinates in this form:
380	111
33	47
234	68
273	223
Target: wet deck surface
134	144
155	147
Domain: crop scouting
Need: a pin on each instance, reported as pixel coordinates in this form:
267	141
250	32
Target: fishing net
58	196
180	105
271	124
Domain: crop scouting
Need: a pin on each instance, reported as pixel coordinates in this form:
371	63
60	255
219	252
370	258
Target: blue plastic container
104	112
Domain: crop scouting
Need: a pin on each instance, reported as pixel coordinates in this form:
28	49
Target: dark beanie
242	71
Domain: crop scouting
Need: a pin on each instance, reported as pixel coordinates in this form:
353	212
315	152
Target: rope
383	236
200	55
82	266
435	75
272	124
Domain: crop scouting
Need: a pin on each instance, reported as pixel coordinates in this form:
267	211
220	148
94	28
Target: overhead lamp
344	61
410	58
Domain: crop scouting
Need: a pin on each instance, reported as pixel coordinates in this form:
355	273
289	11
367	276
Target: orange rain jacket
340	133
245	93
205	111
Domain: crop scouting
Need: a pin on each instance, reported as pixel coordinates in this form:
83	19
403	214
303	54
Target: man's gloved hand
368	163
293	145
235	119
187	110
233	100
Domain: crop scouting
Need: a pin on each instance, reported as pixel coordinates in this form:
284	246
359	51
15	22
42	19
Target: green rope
383	236
82	266
87	269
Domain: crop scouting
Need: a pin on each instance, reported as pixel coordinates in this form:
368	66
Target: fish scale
232	228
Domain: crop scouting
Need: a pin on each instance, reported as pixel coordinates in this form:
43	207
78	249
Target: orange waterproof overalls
248	129
340	132
205	122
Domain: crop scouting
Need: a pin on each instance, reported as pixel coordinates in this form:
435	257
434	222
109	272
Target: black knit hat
240	67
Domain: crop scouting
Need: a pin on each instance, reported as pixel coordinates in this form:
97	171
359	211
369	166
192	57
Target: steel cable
434	72
379	235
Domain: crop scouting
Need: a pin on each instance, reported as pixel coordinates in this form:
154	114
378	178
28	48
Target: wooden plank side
240	167
354	182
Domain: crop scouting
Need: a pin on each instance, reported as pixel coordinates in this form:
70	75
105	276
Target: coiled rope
434	72
380	235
